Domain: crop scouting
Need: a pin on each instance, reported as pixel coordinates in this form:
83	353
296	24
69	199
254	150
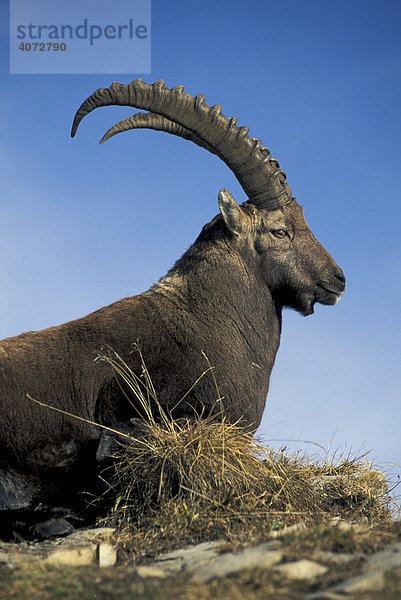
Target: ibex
223	300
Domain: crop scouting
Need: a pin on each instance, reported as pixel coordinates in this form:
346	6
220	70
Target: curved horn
257	172
157	122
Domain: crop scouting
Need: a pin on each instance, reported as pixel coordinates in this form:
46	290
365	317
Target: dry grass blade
203	478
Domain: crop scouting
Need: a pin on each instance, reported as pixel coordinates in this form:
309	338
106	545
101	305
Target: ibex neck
213	305
220	288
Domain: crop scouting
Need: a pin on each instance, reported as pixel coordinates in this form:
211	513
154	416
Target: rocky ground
206	512
331	562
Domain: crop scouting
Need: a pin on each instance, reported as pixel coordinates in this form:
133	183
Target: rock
367	582
337	558
107	554
72	555
211	560
346	526
302	569
188	558
370	476
326	596
373	577
12	554
146	572
204	562
93	535
262	557
51	528
389	558
38	523
356	527
82	547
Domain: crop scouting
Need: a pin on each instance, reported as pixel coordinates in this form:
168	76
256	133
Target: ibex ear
231	212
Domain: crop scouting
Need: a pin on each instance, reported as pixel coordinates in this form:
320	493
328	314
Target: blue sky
82	225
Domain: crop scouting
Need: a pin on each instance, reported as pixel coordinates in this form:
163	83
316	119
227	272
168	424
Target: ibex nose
340	276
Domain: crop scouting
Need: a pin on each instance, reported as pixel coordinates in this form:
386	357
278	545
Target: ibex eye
279	233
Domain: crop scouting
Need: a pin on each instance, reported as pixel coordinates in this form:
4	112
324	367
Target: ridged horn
157	122
257	172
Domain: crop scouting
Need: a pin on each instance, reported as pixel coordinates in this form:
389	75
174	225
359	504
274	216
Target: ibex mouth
330	295
330	289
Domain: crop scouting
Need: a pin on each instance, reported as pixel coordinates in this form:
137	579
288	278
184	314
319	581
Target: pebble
302	569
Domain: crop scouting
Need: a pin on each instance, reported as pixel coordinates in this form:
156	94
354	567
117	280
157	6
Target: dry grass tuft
201	479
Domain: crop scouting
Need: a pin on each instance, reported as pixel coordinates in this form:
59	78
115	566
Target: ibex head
294	265
270	225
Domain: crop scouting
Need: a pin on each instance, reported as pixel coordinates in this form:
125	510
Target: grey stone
367	582
146	572
326	595
107	554
302	569
389	558
204	562
262	557
13	554
337	558
372	579
73	555
82	547
93	535
188	558
52	527
324	481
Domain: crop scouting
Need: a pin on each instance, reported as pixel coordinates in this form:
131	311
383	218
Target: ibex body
220	305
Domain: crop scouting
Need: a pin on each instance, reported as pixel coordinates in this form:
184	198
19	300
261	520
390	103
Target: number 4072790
42	46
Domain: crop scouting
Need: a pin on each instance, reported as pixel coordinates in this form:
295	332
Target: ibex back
222	300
